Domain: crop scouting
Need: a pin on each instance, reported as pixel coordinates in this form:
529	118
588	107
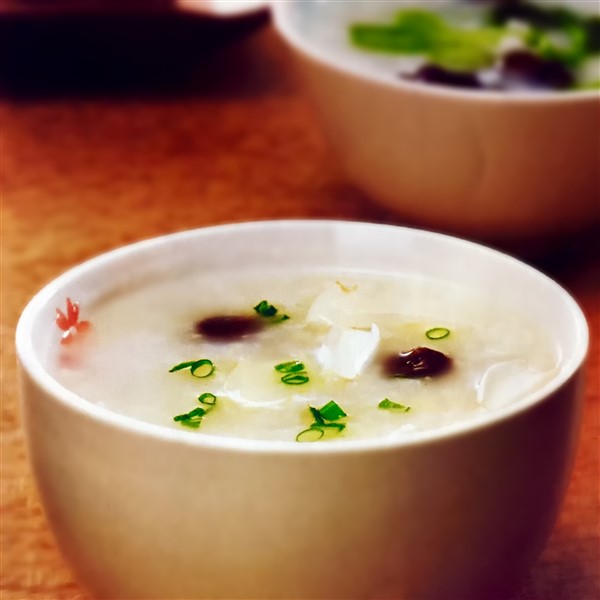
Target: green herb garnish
312	434
292	366
295	379
332	411
326	419
437	333
552	33
294	372
193	418
207	398
267	311
198	368
387	404
555	32
423	33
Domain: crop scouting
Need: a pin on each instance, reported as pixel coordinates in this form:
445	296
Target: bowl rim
301	44
29	362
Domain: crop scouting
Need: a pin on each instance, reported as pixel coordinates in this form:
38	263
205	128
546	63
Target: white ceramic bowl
142	511
492	165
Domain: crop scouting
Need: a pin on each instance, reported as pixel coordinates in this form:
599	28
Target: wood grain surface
228	138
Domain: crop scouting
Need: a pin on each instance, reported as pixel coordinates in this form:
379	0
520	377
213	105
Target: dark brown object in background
91	47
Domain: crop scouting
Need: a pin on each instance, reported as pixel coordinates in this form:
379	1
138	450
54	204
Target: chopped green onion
338	426
332	411
387	404
268	311
181	366
312	434
293	366
207	398
280	318
323	422
192	418
316	413
202	368
199	368
264	309
294	372
437	333
196	412
295	379
193	423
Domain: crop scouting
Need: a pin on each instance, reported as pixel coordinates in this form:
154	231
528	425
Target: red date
416	363
228	327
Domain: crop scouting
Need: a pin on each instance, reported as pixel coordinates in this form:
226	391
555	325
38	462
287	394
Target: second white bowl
492	165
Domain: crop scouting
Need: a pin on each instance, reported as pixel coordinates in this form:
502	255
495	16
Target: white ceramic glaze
524	165
142	511
223	8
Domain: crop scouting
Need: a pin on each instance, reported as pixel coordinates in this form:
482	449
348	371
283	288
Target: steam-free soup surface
343	328
492	45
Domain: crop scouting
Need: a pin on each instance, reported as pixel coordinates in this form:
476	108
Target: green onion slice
295	379
332	411
325	418
337	426
294	372
312	434
268	311
264	309
292	366
192	418
316	413
199	368
387	404
207	398
437	333
181	366
202	368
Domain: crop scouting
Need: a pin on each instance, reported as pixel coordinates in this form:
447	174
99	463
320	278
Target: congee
496	45
302	357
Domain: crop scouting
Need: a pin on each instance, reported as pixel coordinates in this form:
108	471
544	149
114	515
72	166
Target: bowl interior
301	245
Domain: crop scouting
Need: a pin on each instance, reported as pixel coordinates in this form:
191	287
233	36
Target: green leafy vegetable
420	32
568	47
556	32
198	368
553	33
437	333
387	404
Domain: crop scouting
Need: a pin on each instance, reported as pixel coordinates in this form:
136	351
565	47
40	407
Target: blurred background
122	120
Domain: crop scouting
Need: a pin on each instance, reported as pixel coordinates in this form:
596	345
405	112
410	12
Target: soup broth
513	46
317	359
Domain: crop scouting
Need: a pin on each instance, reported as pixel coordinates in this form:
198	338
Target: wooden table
220	138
